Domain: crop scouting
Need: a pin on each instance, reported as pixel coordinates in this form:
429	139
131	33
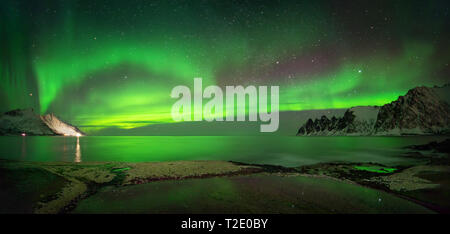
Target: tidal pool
246	194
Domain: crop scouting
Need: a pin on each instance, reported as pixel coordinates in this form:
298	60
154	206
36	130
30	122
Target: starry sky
101	64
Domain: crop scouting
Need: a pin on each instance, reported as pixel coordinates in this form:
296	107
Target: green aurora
114	63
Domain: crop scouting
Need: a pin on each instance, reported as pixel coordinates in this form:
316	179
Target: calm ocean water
286	151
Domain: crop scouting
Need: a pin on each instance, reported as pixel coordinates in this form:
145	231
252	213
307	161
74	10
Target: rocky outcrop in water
26	121
422	111
442	147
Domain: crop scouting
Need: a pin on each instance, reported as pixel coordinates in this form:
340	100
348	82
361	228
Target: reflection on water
23	149
78	151
68	150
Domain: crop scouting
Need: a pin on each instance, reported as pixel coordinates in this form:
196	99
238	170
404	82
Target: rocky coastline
64	185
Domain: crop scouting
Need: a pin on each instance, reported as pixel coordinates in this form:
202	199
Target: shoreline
79	181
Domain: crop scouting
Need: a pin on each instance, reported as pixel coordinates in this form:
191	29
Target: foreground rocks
40	187
72	182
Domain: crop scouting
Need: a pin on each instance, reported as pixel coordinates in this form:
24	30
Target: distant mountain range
288	126
26	122
422	111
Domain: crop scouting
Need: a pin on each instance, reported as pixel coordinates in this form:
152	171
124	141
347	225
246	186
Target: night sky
110	63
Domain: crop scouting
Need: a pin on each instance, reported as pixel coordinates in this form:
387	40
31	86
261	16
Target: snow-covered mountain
422	111
59	127
26	121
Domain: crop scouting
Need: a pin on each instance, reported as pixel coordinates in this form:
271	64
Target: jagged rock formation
422	111
25	121
356	121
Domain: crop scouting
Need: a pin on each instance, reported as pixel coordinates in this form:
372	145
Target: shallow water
246	194
285	151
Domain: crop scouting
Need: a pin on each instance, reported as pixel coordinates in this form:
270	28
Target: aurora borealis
102	64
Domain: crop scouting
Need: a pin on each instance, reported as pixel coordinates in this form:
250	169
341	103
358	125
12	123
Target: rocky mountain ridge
421	111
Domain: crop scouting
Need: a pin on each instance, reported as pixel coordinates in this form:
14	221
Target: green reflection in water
376	169
246	194
285	151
